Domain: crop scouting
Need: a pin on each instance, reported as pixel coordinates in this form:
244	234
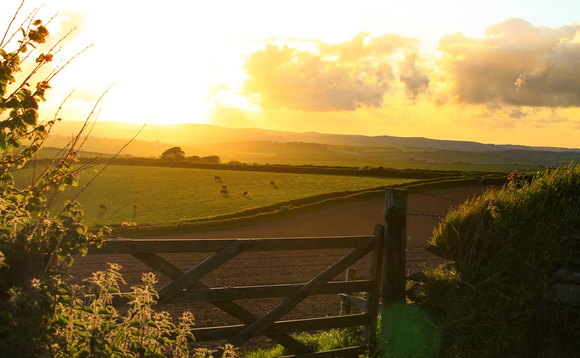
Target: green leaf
78	323
69	260
81	229
70	179
36	36
3	139
23	93
134	323
86	352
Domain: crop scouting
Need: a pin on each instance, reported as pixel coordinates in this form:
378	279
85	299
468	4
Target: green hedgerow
505	246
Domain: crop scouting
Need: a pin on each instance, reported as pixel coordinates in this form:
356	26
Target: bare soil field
256	268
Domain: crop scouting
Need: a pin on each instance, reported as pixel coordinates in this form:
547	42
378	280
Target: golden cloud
414	79
335	77
516	64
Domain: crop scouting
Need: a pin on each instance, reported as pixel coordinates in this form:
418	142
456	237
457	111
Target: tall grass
505	246
320	341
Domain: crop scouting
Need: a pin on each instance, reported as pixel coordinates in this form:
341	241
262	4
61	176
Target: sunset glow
503	72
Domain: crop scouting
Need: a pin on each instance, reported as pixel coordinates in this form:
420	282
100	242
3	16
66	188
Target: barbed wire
438	218
434	196
416	247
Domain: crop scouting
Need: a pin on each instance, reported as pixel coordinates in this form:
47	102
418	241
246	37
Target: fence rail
186	286
172	245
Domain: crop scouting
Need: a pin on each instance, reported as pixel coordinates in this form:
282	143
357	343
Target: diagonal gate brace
205	267
171	271
302	293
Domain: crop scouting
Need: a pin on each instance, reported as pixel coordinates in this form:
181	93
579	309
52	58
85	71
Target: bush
505	246
40	314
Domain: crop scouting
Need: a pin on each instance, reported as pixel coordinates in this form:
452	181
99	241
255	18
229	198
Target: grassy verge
402	331
296	207
321	341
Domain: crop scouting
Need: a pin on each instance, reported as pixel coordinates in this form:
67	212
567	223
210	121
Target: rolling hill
254	145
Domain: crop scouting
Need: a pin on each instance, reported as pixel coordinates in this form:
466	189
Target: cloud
335	77
414	79
516	63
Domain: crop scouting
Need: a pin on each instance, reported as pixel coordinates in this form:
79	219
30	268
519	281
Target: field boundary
292	208
287	168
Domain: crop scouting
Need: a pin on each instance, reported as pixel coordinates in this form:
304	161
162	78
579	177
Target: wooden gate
187	287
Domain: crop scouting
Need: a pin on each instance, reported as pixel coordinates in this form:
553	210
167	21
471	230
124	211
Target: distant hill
260	146
191	135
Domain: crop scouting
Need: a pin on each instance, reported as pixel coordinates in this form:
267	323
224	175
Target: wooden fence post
394	274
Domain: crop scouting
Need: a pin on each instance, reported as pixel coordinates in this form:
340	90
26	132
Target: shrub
505	246
40	314
31	237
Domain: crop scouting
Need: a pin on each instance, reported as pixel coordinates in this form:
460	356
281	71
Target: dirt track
295	267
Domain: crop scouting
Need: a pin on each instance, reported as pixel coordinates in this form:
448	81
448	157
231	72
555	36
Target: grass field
170	194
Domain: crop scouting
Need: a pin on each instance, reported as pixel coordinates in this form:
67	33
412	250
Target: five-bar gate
385	245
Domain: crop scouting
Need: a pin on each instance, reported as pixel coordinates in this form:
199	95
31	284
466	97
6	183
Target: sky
502	72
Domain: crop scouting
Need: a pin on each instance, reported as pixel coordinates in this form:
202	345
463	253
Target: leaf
69	260
134	323
3	144
70	179
81	229
42	30
36	36
37	22
78	323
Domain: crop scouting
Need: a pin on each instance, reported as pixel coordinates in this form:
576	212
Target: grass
320	341
505	246
171	194
402	331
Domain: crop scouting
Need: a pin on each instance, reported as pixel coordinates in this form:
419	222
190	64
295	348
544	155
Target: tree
174	154
211	159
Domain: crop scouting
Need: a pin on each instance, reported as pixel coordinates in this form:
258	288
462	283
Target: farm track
255	268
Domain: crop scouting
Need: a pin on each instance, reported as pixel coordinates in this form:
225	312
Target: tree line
176	154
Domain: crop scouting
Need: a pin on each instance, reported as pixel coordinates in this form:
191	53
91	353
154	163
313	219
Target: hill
254	145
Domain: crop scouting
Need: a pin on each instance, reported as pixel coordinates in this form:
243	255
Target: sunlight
372	67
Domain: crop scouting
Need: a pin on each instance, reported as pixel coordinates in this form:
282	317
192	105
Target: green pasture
169	194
